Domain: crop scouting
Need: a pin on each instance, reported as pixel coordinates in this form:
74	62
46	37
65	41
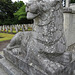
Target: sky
21	0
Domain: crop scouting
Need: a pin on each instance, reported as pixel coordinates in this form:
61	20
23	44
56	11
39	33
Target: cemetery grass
5	36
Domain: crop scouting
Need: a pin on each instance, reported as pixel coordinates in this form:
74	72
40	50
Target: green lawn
6	36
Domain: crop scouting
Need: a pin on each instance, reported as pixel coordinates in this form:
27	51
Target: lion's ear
55	2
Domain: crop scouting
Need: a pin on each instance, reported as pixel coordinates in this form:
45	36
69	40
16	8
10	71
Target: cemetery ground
5	39
7	32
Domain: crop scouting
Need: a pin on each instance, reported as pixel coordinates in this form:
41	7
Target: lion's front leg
18	44
15	43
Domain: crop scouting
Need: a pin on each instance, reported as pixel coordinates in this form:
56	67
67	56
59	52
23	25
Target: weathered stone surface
2	72
30	68
9	69
42	51
53	67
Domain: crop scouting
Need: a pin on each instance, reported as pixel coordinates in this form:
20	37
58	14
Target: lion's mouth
31	15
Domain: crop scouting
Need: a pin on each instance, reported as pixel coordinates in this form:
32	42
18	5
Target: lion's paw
16	51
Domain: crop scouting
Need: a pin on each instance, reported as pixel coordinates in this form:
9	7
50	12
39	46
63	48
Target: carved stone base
9	69
30	69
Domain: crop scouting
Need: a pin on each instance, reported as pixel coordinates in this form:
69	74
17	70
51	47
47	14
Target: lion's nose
28	4
26	9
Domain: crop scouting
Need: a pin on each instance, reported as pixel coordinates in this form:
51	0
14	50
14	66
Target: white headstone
3	27
11	29
6	29
16	29
26	27
23	28
0	28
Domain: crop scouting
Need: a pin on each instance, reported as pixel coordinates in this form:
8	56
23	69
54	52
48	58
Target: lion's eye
28	4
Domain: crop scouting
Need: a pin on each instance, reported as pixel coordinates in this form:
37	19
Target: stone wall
69	24
72	5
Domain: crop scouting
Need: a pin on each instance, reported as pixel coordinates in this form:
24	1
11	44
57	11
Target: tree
17	5
21	15
7	8
72	1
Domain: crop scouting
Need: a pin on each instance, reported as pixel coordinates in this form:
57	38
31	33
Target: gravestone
17	29
6	29
43	50
11	30
3	27
13	26
0	28
23	28
26	26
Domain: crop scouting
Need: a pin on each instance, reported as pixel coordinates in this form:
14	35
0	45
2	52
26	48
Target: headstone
3	27
11	30
23	28
6	29
43	50
26	27
0	28
17	29
13	26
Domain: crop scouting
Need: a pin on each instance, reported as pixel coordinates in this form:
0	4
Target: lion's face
36	8
32	10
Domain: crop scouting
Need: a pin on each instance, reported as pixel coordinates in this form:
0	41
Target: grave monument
43	50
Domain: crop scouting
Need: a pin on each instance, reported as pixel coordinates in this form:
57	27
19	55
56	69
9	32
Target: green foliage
21	13
12	13
72	1
21	16
7	8
17	5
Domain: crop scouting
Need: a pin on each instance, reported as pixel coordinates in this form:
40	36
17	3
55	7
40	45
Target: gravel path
3	44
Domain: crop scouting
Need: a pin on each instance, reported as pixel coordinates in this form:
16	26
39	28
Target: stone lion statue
45	45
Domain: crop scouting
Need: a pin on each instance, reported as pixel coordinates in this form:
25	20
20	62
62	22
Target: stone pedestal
15	65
